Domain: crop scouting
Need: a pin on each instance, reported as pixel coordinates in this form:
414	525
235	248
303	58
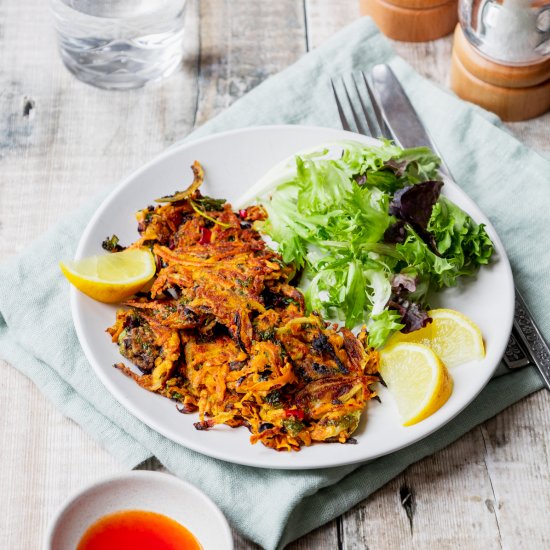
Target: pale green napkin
508	181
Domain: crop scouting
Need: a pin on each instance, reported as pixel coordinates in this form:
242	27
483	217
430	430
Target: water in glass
120	44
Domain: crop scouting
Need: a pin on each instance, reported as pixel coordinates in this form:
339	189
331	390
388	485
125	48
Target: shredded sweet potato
223	332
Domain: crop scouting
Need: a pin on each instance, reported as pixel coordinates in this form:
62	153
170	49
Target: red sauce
137	530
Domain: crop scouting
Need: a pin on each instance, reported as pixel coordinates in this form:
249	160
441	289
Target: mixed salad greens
373	234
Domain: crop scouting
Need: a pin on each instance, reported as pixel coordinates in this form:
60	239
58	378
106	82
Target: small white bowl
138	490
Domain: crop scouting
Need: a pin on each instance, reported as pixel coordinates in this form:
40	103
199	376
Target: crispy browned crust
223	332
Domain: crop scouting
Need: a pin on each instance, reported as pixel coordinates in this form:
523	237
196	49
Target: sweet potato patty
223	332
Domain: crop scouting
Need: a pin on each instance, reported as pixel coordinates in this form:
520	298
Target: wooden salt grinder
513	92
412	20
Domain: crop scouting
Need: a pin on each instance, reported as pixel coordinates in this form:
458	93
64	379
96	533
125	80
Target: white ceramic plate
233	162
149	491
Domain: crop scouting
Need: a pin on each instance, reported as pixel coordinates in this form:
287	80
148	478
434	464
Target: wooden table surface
61	141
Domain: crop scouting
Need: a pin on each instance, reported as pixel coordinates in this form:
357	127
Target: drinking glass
120	44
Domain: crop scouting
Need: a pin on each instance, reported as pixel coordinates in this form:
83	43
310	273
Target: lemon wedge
455	338
418	380
113	277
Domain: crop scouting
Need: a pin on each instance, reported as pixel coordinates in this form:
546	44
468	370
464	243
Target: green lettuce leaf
458	238
330	215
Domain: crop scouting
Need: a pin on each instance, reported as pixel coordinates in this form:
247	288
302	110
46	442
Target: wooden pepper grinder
501	56
412	20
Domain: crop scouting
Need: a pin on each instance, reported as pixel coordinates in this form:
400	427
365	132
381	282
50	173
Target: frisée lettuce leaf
359	221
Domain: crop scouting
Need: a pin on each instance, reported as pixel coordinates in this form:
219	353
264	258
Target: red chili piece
242	213
206	235
296	413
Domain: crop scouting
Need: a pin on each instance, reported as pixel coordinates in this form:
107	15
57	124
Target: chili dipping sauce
138	530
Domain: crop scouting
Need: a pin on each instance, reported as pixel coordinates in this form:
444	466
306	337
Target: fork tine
341	114
374	129
375	107
358	125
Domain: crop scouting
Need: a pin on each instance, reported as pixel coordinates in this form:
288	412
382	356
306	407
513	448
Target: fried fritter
223	332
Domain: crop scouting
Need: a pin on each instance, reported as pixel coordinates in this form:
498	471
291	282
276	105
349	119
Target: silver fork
365	117
369	121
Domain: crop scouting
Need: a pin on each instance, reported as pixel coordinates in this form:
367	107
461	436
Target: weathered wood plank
325	17
534	133
430	59
243	43
324	538
517	457
433	503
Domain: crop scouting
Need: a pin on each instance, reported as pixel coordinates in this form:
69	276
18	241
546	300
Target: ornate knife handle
526	343
515	356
